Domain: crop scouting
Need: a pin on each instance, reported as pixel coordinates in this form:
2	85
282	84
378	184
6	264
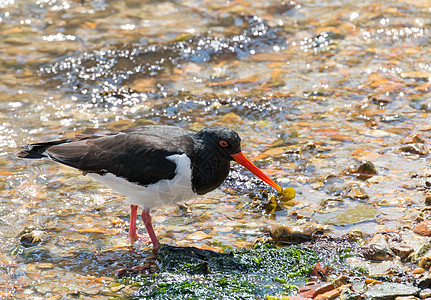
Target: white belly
161	193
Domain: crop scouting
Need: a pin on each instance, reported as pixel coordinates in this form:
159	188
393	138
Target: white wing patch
163	192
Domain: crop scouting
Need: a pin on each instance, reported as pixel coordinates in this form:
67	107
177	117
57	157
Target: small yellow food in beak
288	193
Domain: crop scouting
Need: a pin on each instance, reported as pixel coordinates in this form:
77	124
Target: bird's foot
135	237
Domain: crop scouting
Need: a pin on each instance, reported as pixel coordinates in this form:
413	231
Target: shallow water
311	86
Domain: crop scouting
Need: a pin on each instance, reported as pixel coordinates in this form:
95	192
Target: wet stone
389	291
425	262
348	294
45	265
354	191
341	280
281	7
413	138
426	293
331	294
415	216
200	272
418	253
415	148
424	283
295	234
362	170
402	250
423	228
317	185
359	285
315	290
351	213
378	249
418	271
380	99
32	238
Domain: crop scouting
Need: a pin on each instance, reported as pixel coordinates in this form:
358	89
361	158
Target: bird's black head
223	140
215	147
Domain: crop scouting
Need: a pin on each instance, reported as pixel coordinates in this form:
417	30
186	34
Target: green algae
191	273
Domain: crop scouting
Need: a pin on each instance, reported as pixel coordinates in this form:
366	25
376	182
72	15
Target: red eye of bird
223	143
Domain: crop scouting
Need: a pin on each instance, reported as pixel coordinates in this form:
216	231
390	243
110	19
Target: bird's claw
135	237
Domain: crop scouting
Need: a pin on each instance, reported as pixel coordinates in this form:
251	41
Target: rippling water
312	87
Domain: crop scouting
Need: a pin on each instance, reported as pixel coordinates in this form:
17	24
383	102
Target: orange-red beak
242	160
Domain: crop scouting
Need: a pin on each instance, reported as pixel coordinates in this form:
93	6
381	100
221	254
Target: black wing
137	154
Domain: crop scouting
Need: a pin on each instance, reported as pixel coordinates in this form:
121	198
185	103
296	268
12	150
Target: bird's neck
209	169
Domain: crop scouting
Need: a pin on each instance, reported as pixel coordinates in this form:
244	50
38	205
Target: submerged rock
281	7
389	291
354	191
418	271
193	273
425	262
347	213
348	294
316	290
424	283
426	293
333	294
413	138
30	237
423	228
295	234
402	250
378	249
420	252
415	148
362	170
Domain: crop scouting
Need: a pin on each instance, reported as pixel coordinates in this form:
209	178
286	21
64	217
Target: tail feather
37	150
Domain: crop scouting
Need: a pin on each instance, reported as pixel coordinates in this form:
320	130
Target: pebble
317	289
32	238
418	253
425	262
362	170
359	285
418	271
423	228
332	294
45	265
426	293
415	148
413	138
402	250
317	185
424	283
341	280
389	291
354	191
117	288
348	294
295	234
378	248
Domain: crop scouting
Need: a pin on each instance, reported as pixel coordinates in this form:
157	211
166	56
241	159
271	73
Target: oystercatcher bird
151	165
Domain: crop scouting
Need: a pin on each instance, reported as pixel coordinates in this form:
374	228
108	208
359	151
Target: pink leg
147	221
133	234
